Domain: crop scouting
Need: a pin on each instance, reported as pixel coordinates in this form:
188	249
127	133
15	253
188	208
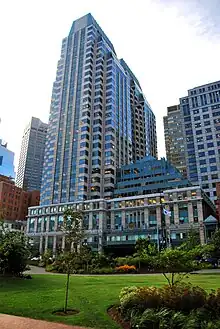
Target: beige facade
122	221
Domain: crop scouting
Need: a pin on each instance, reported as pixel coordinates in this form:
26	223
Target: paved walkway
41	270
16	322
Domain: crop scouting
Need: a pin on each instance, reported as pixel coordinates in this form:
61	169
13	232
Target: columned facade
121	221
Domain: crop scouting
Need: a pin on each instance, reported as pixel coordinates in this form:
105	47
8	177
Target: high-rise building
174	140
29	174
99	119
201	127
6	160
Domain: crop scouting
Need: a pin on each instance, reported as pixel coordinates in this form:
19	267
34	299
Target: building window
183	214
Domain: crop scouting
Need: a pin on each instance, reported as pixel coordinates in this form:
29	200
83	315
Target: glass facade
91	130
6	161
201	125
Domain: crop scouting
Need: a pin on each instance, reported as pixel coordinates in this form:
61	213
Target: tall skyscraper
201	126
99	119
174	140
29	174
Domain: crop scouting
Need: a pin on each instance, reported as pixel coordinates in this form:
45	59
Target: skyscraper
31	159
99	119
201	126
174	140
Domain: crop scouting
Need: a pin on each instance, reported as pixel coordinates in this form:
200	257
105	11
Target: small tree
192	240
85	256
14	253
175	264
216	244
143	249
74	234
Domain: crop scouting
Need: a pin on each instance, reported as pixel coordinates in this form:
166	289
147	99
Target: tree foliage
74	234
14	253
176	263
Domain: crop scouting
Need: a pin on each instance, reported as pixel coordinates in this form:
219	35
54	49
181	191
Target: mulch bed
114	313
68	312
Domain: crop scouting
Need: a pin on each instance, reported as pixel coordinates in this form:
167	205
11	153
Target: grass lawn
92	295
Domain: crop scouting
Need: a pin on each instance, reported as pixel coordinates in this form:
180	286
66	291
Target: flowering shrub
183	297
213	302
139	298
126	269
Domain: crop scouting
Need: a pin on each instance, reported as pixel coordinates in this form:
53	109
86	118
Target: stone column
46	243
41	245
146	217
176	213
28	224
112	220
190	213
101	219
35	225
100	241
56	223
90	220
48	224
123	219
158	216
201	222
63	243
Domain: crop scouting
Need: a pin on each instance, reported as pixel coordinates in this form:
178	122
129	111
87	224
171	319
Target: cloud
202	15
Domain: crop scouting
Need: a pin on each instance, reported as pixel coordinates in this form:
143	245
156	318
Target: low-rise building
14	201
117	223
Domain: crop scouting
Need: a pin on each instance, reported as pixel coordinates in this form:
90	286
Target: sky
170	45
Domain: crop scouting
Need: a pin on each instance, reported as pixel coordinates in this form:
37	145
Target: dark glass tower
99	119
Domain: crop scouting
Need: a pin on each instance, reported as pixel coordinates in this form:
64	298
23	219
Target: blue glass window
211	152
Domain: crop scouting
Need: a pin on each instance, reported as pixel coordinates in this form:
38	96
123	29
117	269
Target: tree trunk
67	291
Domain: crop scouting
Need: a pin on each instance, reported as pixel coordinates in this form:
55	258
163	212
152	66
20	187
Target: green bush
139	299
14	253
181	306
213	303
107	270
159	319
183	297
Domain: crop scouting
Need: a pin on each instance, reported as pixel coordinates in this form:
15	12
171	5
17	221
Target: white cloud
170	45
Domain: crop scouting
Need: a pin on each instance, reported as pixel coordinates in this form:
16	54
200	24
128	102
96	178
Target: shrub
159	319
107	270
213	303
183	297
14	253
126	269
139	298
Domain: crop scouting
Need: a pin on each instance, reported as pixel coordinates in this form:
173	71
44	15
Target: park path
41	270
17	322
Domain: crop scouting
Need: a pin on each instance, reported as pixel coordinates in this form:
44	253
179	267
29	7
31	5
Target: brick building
14	201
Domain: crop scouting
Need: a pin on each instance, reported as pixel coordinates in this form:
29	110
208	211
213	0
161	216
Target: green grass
92	295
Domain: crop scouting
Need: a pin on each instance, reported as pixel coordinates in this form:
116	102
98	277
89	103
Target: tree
192	240
14	253
74	234
177	263
143	249
216	244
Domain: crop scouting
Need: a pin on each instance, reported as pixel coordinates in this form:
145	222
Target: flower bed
181	306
